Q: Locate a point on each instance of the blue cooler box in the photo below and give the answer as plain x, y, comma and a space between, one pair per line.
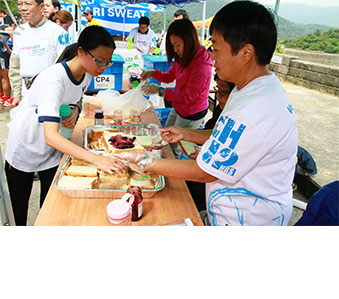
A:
111, 77
157, 62
162, 114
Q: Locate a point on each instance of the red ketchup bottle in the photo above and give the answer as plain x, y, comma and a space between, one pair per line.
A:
137, 204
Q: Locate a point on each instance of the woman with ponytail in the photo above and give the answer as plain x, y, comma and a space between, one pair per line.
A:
34, 142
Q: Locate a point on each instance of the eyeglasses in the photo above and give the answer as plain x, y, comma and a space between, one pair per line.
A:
100, 62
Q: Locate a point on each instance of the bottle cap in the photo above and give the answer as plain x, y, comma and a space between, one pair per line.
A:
65, 111
135, 84
99, 113
118, 209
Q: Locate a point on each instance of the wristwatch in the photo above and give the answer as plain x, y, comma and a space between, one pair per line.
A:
162, 91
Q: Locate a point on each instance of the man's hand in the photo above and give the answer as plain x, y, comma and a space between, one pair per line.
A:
172, 134
150, 88
196, 153
141, 160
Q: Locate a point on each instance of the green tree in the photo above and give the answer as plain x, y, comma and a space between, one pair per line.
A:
12, 5
327, 42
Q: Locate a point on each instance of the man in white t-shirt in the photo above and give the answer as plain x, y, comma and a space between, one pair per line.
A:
38, 46
143, 37
248, 159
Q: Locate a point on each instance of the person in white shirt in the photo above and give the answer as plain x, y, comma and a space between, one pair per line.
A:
248, 159
34, 142
38, 46
143, 37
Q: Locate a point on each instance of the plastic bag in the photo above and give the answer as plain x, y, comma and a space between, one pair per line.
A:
130, 100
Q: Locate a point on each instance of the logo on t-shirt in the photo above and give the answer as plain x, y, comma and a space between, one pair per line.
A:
64, 39
221, 153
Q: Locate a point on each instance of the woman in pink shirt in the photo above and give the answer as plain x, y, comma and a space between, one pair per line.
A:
192, 70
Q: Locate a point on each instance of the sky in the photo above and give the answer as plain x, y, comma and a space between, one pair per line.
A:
311, 2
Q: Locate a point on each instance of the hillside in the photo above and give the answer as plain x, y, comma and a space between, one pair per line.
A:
309, 14
286, 28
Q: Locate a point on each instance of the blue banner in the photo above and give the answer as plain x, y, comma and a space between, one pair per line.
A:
115, 18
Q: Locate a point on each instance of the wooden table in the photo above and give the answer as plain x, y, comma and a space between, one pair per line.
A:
172, 204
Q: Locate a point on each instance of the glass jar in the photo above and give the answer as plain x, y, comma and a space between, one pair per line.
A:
137, 205
117, 116
119, 211
99, 117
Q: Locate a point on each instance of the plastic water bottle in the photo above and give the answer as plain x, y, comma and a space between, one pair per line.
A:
130, 43
65, 112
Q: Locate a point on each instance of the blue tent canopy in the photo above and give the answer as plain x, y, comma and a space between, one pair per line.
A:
166, 3
160, 2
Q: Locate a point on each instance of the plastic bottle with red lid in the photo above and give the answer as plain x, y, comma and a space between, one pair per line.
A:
137, 205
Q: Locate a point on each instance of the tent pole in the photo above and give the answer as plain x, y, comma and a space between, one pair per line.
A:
79, 18
165, 18
123, 26
203, 23
277, 4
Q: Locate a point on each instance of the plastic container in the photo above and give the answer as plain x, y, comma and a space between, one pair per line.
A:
157, 146
156, 62
119, 212
111, 77
137, 205
99, 117
65, 112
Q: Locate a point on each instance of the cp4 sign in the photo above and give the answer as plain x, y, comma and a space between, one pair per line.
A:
104, 81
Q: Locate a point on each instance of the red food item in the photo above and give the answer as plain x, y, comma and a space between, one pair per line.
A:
122, 142
137, 204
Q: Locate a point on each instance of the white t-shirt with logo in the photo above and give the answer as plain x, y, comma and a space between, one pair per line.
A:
143, 41
39, 47
252, 152
26, 147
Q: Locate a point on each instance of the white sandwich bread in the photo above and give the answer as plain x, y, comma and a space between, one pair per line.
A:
72, 182
82, 170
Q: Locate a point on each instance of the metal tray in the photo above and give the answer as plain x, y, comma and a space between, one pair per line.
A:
133, 129
102, 193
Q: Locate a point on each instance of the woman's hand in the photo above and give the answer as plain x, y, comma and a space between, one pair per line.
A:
150, 88
146, 74
109, 164
172, 134
69, 122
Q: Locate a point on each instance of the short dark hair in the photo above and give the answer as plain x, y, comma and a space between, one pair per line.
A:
94, 36
144, 20
39, 1
56, 3
184, 29
181, 12
242, 22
